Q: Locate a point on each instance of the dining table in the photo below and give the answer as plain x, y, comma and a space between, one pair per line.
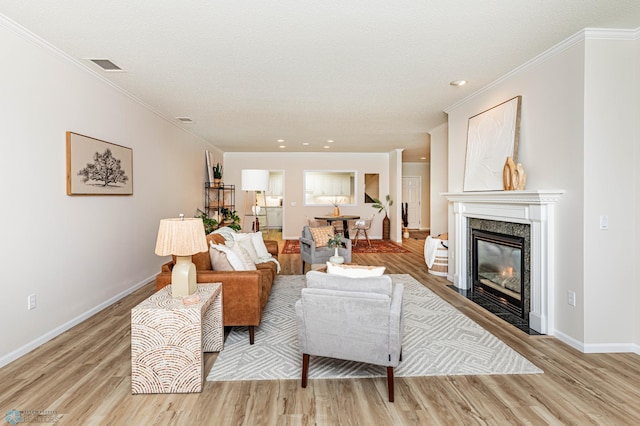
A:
345, 218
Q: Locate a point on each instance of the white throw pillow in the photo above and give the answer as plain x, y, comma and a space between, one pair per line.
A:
245, 241
258, 244
354, 271
236, 262
253, 244
235, 247
219, 261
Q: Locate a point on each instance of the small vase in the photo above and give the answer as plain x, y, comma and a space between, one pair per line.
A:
336, 258
336, 211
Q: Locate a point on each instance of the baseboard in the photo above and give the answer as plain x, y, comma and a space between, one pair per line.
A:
575, 344
606, 348
597, 348
25, 349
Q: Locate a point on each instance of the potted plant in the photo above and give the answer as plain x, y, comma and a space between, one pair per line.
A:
231, 219
386, 222
210, 224
335, 242
217, 174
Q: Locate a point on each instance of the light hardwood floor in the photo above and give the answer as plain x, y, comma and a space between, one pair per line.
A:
84, 375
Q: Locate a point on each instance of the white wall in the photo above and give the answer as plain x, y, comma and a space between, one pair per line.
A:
77, 254
439, 179
561, 91
421, 170
292, 165
610, 108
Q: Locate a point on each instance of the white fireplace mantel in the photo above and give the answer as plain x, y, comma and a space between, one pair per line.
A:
535, 208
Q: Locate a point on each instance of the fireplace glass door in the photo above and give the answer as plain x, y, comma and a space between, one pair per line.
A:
498, 261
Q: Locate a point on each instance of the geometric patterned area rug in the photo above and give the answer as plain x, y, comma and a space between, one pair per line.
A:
377, 246
438, 340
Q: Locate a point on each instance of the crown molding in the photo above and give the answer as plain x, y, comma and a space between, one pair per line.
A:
34, 39
580, 36
612, 34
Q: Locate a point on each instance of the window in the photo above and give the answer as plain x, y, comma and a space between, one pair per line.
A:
329, 188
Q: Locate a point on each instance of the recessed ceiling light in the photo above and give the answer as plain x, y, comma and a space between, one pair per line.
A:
305, 143
423, 158
283, 146
280, 140
106, 65
187, 120
458, 82
326, 147
330, 141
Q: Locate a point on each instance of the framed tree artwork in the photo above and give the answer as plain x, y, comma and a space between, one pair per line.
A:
96, 167
492, 136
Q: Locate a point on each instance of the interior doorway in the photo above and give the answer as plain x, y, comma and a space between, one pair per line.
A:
411, 194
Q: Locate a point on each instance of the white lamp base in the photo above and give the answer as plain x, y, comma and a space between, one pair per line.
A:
183, 277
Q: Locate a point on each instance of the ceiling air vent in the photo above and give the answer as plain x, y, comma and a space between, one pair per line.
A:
106, 64
185, 119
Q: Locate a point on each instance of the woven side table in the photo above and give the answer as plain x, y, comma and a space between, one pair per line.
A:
169, 337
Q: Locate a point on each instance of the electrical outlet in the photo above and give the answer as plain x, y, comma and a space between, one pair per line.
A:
31, 302
571, 298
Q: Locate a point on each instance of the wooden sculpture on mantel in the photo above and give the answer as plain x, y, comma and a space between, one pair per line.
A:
513, 176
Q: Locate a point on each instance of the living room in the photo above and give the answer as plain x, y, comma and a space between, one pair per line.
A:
579, 134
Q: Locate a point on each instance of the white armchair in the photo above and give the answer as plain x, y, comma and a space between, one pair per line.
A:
356, 319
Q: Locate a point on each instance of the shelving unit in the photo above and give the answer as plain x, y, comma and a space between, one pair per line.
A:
217, 198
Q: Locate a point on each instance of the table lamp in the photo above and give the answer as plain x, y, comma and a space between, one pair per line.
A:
183, 238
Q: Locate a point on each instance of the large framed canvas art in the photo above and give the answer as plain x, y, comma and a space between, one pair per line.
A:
96, 167
492, 136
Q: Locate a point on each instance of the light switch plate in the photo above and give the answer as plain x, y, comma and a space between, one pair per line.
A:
604, 221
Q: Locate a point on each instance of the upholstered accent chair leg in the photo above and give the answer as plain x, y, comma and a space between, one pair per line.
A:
252, 334
303, 267
389, 383
305, 369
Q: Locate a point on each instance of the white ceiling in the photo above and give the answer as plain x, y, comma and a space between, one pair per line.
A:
371, 75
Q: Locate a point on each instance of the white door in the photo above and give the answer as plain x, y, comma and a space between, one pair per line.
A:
411, 190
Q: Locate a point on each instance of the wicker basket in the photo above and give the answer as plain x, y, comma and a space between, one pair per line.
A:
441, 264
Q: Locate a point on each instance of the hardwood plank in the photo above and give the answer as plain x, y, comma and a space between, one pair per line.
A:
85, 375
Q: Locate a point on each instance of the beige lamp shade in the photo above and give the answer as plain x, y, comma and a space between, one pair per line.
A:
255, 180
181, 237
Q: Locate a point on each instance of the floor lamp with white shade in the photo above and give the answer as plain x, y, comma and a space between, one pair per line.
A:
254, 180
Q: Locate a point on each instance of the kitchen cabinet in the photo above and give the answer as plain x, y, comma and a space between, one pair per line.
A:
275, 184
274, 215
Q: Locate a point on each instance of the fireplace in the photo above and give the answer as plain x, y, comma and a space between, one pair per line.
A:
533, 209
497, 272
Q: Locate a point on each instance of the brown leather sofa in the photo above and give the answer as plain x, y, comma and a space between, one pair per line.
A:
244, 293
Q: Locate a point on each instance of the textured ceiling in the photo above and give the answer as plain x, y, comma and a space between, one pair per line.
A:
370, 75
